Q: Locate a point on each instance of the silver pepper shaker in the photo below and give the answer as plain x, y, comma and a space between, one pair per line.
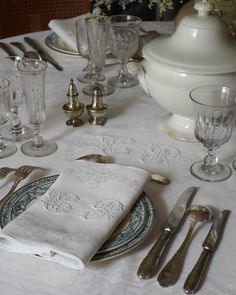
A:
97, 109
73, 108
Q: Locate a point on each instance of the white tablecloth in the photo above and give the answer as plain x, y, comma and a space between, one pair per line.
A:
132, 136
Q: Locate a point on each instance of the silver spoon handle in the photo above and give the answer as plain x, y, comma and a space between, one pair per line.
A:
149, 264
194, 278
171, 271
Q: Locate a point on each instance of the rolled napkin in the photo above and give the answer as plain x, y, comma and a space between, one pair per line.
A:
65, 29
78, 213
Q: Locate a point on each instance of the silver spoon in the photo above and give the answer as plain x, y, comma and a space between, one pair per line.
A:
97, 158
171, 271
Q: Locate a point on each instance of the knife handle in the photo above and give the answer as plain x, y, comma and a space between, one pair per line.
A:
149, 264
194, 278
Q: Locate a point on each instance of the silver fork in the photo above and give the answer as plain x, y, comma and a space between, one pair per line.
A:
21, 173
4, 171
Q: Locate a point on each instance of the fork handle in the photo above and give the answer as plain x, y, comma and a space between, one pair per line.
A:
8, 195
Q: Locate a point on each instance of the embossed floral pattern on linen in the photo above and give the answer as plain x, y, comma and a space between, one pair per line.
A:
59, 202
160, 154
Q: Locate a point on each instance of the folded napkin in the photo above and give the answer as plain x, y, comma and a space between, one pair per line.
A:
65, 29
71, 221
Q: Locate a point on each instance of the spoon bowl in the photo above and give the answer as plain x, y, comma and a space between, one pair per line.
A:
171, 271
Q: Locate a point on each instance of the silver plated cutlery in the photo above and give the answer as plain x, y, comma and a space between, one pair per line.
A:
43, 53
8, 50
21, 173
171, 271
209, 246
149, 264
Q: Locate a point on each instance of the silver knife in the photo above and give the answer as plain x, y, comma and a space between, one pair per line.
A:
9, 51
44, 55
149, 264
209, 245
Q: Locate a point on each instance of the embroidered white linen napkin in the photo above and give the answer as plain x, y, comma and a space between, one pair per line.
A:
71, 221
65, 29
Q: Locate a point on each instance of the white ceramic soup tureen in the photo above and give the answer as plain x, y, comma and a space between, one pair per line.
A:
199, 52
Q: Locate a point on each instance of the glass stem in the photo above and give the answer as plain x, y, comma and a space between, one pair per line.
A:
16, 127
123, 74
211, 159
37, 139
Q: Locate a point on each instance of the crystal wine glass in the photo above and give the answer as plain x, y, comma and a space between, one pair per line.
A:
97, 34
32, 74
124, 39
6, 148
15, 131
83, 49
214, 110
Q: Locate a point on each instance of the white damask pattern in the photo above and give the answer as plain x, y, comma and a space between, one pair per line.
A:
59, 202
160, 154
107, 209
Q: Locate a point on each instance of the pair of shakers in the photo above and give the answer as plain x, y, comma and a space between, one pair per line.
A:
74, 109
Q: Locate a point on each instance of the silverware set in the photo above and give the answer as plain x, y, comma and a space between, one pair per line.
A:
171, 271
20, 174
38, 51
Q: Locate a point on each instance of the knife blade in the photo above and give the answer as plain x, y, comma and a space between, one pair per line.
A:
149, 264
9, 51
209, 245
44, 55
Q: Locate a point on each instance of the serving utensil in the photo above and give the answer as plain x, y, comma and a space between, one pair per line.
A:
97, 158
168, 228
209, 245
21, 173
171, 271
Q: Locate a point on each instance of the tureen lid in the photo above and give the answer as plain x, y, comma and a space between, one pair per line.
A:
201, 44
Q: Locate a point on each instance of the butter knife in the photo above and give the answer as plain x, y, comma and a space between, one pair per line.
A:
149, 264
9, 51
43, 54
209, 245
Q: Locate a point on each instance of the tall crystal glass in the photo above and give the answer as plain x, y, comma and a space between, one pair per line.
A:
15, 131
32, 74
124, 39
6, 148
97, 33
214, 110
83, 49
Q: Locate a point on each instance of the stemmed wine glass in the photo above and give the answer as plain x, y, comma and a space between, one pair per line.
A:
214, 110
6, 148
82, 45
97, 34
124, 39
32, 74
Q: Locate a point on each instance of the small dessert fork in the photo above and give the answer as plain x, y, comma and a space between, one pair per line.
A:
21, 173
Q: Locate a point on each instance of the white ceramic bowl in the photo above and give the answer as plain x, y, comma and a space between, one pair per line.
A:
200, 52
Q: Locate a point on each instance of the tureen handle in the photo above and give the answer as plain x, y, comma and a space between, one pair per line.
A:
203, 7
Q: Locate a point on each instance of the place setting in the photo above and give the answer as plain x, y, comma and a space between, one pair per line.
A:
120, 170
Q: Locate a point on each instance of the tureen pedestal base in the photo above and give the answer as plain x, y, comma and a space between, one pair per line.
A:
178, 127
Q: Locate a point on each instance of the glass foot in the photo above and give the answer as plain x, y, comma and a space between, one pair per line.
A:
48, 148
115, 82
216, 173
7, 134
88, 78
7, 149
106, 89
